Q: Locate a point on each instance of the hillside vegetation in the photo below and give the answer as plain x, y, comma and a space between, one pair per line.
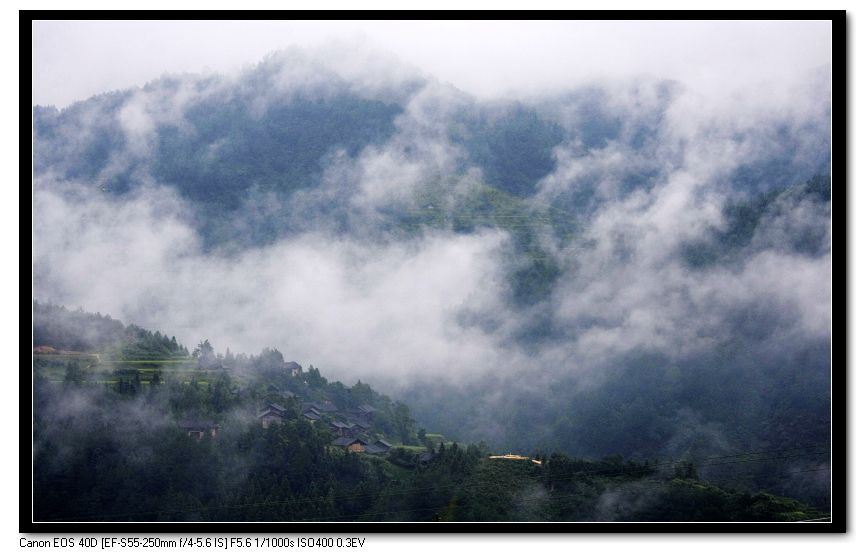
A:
119, 451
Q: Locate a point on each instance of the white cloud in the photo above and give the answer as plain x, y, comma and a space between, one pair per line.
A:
73, 60
369, 306
355, 308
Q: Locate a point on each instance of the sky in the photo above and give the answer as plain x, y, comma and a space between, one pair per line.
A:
73, 60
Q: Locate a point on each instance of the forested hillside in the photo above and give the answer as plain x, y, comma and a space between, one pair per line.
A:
131, 451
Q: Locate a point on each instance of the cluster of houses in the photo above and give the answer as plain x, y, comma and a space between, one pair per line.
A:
350, 427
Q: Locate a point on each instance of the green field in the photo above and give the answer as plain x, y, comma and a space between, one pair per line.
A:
411, 448
99, 369
435, 438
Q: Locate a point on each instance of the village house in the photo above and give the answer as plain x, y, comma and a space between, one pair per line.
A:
273, 414
344, 429
198, 429
378, 447
362, 445
293, 368
314, 411
354, 445
310, 413
325, 407
363, 412
426, 457
362, 426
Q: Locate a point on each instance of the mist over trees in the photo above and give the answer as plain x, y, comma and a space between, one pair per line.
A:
132, 449
81, 331
617, 269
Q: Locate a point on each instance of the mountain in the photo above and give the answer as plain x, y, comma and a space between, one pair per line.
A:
224, 142
625, 268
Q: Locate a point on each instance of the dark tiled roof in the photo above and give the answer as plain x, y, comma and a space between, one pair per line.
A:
310, 407
274, 408
360, 424
191, 424
383, 443
320, 406
292, 366
312, 415
375, 448
345, 442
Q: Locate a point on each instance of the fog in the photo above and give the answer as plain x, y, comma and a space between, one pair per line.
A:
489, 59
354, 308
651, 158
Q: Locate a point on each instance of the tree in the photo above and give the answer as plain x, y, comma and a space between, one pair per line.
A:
686, 470
205, 354
229, 358
422, 437
74, 374
220, 393
404, 422
270, 359
314, 379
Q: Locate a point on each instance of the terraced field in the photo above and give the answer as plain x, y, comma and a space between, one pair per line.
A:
101, 369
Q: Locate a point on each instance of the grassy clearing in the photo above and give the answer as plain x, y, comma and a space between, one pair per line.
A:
411, 448
393, 471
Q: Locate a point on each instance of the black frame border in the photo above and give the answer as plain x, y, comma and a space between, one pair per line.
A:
840, 391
